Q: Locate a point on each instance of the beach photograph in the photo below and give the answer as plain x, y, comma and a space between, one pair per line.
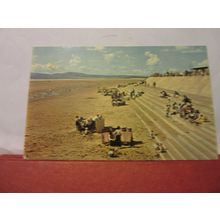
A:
120, 103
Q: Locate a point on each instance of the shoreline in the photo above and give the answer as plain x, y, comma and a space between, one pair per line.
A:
93, 79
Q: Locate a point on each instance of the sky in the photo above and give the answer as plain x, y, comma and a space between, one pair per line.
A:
135, 60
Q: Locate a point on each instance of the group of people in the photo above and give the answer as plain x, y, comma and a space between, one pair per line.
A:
176, 94
186, 110
159, 146
119, 97
86, 126
164, 94
134, 94
141, 82
117, 136
118, 94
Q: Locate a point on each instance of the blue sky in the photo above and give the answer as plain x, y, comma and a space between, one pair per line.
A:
135, 60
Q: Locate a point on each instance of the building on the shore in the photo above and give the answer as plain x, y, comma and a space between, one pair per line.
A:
200, 71
195, 71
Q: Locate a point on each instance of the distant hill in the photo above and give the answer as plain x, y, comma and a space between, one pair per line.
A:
76, 75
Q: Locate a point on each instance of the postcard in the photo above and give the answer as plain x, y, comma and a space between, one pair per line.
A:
120, 103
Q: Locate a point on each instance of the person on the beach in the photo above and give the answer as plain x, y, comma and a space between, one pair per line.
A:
117, 134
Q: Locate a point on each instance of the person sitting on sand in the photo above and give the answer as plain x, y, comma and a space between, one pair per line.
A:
164, 94
152, 134
113, 153
182, 110
111, 138
157, 146
186, 99
163, 149
176, 94
175, 108
117, 134
187, 110
80, 124
160, 148
168, 110
132, 94
77, 123
194, 115
86, 131
191, 115
95, 118
201, 118
91, 124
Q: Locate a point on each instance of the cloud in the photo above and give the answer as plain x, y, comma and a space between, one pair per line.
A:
152, 59
109, 57
37, 67
49, 67
75, 60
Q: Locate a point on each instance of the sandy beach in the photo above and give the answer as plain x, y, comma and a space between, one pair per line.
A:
53, 105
